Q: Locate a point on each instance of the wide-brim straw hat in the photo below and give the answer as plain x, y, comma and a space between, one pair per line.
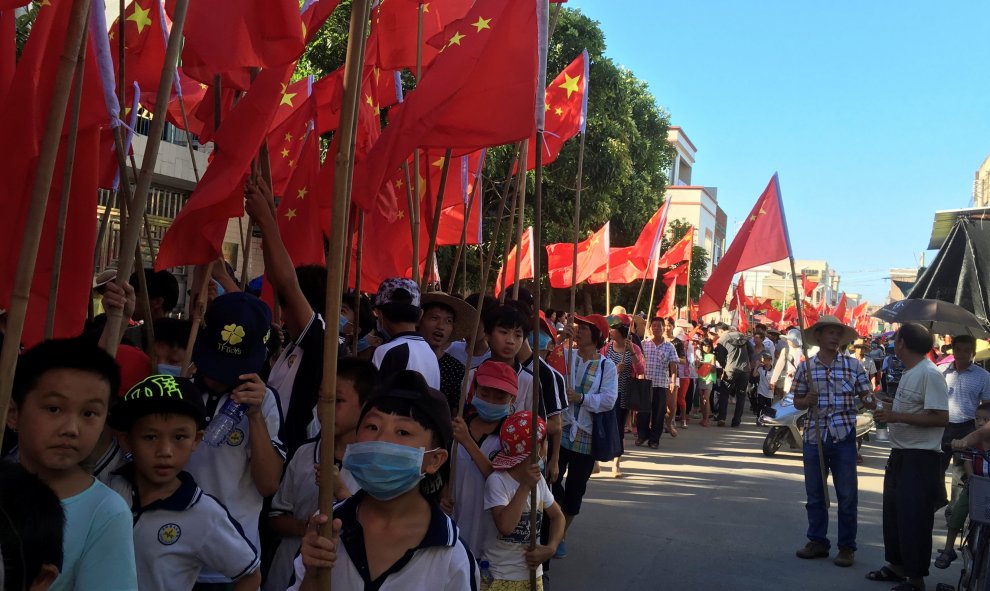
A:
849, 334
464, 312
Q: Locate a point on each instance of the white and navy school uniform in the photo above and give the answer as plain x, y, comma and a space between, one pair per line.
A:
441, 561
225, 472
408, 350
553, 389
177, 537
296, 376
299, 497
112, 459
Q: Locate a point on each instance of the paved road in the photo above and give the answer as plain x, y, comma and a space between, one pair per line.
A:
709, 511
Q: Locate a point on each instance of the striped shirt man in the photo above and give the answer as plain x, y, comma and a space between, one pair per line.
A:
967, 388
658, 359
839, 385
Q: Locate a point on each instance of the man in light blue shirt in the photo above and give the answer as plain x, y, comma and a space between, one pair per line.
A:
969, 384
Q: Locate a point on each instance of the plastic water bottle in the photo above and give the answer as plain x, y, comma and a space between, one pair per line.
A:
486, 574
882, 434
222, 424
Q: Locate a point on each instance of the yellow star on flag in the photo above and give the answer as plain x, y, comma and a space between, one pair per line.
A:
287, 96
301, 193
292, 163
376, 72
456, 39
44, 3
290, 214
287, 137
482, 24
426, 7
398, 185
369, 100
140, 17
558, 111
285, 152
438, 162
594, 240
401, 214
203, 86
571, 84
761, 212
546, 107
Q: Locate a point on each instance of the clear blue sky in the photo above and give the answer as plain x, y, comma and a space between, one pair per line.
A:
875, 113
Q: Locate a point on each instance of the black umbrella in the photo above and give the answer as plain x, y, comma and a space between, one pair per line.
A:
960, 272
939, 316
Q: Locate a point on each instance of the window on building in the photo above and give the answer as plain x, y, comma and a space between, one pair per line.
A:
170, 133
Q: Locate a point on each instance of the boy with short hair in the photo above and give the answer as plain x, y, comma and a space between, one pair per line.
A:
397, 306
161, 421
229, 352
31, 526
764, 390
171, 339
507, 496
61, 393
402, 540
506, 329
298, 495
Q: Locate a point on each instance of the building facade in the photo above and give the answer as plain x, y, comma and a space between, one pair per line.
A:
981, 185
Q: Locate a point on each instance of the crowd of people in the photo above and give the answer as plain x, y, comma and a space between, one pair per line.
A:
210, 481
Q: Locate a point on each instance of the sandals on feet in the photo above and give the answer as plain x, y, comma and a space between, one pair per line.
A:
945, 558
885, 574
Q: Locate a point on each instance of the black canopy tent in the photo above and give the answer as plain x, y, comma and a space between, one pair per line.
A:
960, 272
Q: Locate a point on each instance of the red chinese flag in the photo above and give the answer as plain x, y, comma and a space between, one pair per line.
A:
840, 308
457, 197
774, 315
8, 49
292, 119
566, 110
739, 296
622, 267
808, 285
145, 37
648, 243
508, 270
761, 239
197, 232
668, 306
480, 91
592, 254
396, 24
298, 211
859, 311
679, 252
742, 319
387, 247
314, 14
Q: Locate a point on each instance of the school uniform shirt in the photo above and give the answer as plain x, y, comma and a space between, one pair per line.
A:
111, 460
475, 523
505, 553
441, 561
225, 472
299, 497
97, 526
176, 537
451, 376
296, 376
763, 388
553, 389
458, 350
921, 388
408, 350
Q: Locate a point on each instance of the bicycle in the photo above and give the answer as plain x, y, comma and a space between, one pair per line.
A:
975, 550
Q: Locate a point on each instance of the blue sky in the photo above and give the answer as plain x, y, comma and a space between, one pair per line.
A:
875, 114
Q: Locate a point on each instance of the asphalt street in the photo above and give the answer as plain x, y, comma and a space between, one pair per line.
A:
709, 511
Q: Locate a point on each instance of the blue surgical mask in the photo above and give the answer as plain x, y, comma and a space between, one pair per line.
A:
169, 370
341, 324
544, 342
386, 470
488, 411
220, 289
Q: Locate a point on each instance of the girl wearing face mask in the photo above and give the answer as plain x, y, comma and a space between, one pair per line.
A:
477, 435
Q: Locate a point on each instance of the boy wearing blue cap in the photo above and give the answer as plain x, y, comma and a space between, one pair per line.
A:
178, 530
246, 465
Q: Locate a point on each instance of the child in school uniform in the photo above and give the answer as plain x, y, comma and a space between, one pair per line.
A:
178, 529
764, 399
477, 434
60, 397
507, 497
392, 534
298, 495
246, 467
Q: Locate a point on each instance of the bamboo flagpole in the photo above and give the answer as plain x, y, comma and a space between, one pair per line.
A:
130, 238
579, 183
521, 222
414, 212
654, 257
435, 227
799, 305
357, 282
201, 289
468, 208
21, 292
343, 162
63, 200
509, 232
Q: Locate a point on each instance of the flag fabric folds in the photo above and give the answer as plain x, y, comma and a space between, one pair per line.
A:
507, 274
396, 23
592, 254
566, 111
761, 239
623, 267
807, 285
681, 251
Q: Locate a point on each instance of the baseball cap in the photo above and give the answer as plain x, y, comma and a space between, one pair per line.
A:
494, 374
158, 394
408, 390
397, 290
234, 338
517, 439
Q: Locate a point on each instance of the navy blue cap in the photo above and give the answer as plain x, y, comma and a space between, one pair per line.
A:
233, 339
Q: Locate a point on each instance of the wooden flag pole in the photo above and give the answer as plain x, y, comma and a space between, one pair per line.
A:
653, 291
431, 249
468, 208
509, 234
130, 238
534, 454
343, 162
63, 200
579, 183
414, 212
506, 188
38, 205
521, 223
472, 340
198, 311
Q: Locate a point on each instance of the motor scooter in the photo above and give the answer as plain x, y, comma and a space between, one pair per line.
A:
787, 424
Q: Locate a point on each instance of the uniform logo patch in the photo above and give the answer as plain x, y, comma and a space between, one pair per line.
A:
169, 534
235, 438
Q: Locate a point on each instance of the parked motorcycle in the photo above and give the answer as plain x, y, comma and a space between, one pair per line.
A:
787, 424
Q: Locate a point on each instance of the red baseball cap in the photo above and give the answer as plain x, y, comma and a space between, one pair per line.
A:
517, 439
493, 374
596, 320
